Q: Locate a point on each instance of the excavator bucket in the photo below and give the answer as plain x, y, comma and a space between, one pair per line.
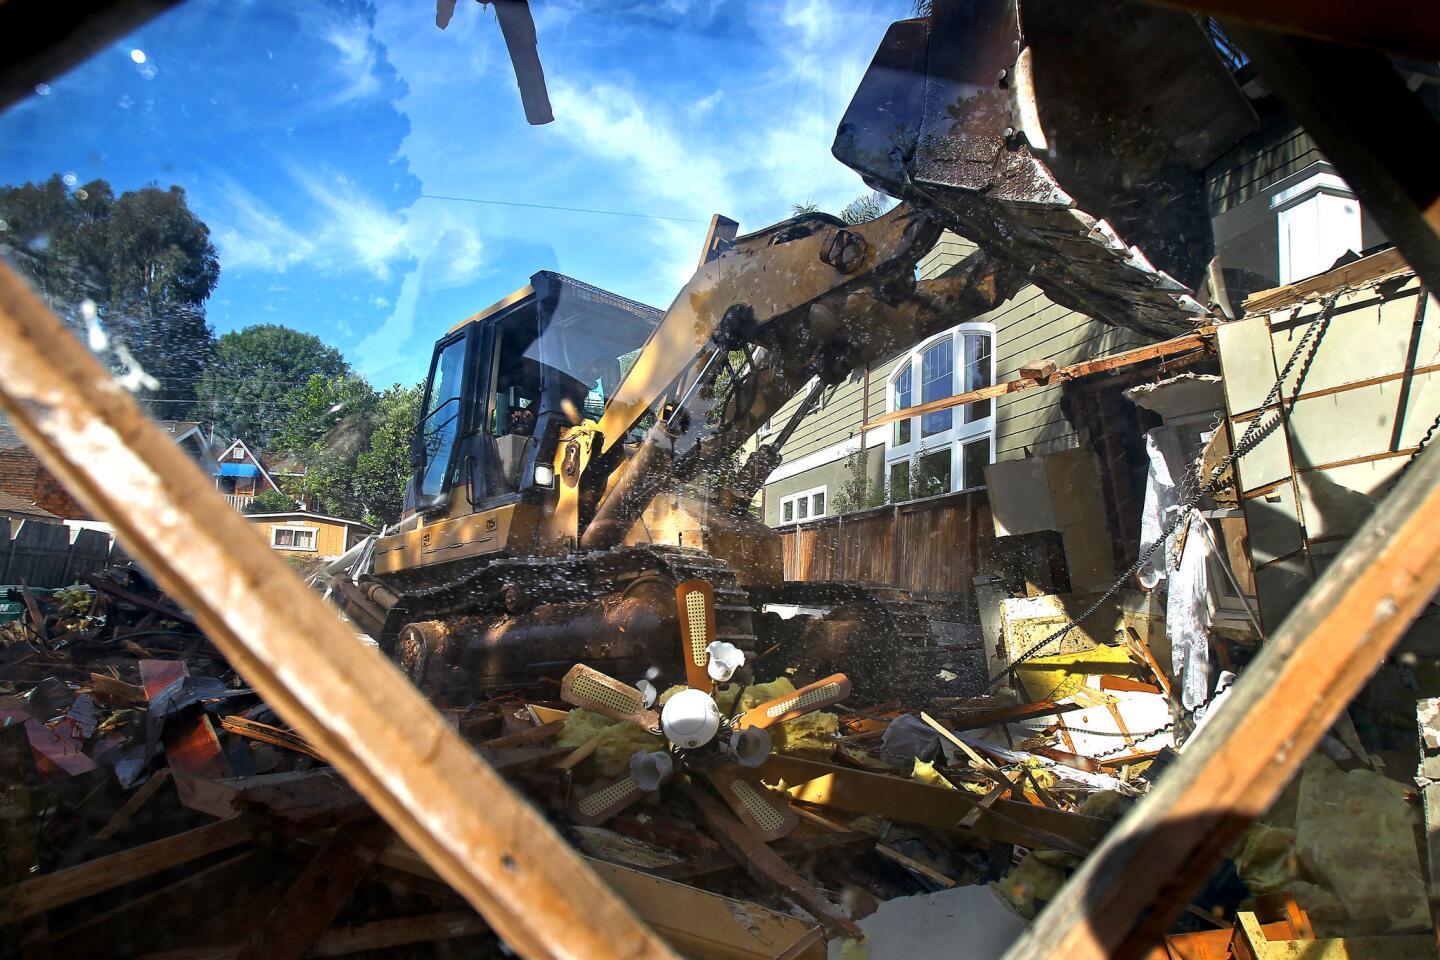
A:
1070, 139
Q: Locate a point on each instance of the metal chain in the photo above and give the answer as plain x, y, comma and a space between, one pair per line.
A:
1258, 430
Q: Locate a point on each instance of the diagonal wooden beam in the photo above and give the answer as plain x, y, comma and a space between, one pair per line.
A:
1201, 339
1138, 880
344, 698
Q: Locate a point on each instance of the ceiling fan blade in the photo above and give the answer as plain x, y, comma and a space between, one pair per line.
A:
593, 690
766, 812
695, 600
814, 696
604, 800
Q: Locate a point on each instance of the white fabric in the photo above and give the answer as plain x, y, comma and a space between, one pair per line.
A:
1161, 501
1187, 615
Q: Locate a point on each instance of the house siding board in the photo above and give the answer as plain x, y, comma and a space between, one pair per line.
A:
329, 537
831, 476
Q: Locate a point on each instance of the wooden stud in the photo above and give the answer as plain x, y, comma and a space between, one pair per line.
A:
50, 890
765, 864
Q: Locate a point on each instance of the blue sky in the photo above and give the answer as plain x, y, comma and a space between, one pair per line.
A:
307, 135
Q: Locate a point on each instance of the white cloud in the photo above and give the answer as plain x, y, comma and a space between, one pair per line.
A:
355, 59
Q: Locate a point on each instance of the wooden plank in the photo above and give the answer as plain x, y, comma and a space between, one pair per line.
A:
48, 891
1202, 339
525, 737
700, 924
315, 898
765, 864
857, 791
1234, 768
344, 698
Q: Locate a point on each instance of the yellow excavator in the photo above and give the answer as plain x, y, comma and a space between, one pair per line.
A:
579, 455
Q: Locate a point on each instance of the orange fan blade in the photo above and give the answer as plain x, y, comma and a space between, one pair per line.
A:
815, 696
695, 600
603, 800
766, 812
593, 690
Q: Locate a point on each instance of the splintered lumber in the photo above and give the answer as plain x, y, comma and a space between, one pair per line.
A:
765, 864
980, 763
857, 791
1201, 339
884, 849
696, 922
51, 890
317, 895
342, 696
265, 733
113, 688
1307, 672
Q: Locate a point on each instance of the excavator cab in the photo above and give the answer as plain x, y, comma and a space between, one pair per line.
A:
505, 384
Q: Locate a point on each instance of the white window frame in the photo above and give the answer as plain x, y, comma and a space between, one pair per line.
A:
297, 528
959, 433
808, 496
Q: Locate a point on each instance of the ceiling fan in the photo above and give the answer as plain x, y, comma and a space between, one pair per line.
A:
700, 740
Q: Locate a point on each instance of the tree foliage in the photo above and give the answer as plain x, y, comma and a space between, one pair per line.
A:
354, 444
260, 377
270, 501
140, 264
866, 207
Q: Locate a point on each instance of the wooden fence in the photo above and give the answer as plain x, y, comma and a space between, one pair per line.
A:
45, 555
928, 546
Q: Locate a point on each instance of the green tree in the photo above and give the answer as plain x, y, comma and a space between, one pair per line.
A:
270, 501
259, 377
143, 261
383, 468
867, 207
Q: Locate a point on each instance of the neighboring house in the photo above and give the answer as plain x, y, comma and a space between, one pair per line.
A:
18, 510
240, 474
305, 534
24, 477
190, 436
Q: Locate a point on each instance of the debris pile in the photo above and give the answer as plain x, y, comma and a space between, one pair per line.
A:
155, 806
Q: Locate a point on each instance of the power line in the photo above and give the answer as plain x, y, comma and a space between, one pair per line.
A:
545, 206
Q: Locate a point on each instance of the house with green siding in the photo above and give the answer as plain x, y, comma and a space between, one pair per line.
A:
1280, 212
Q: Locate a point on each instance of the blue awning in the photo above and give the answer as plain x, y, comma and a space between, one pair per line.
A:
238, 470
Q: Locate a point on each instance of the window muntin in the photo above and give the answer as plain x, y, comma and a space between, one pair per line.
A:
979, 373
903, 397
293, 538
937, 381
804, 504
